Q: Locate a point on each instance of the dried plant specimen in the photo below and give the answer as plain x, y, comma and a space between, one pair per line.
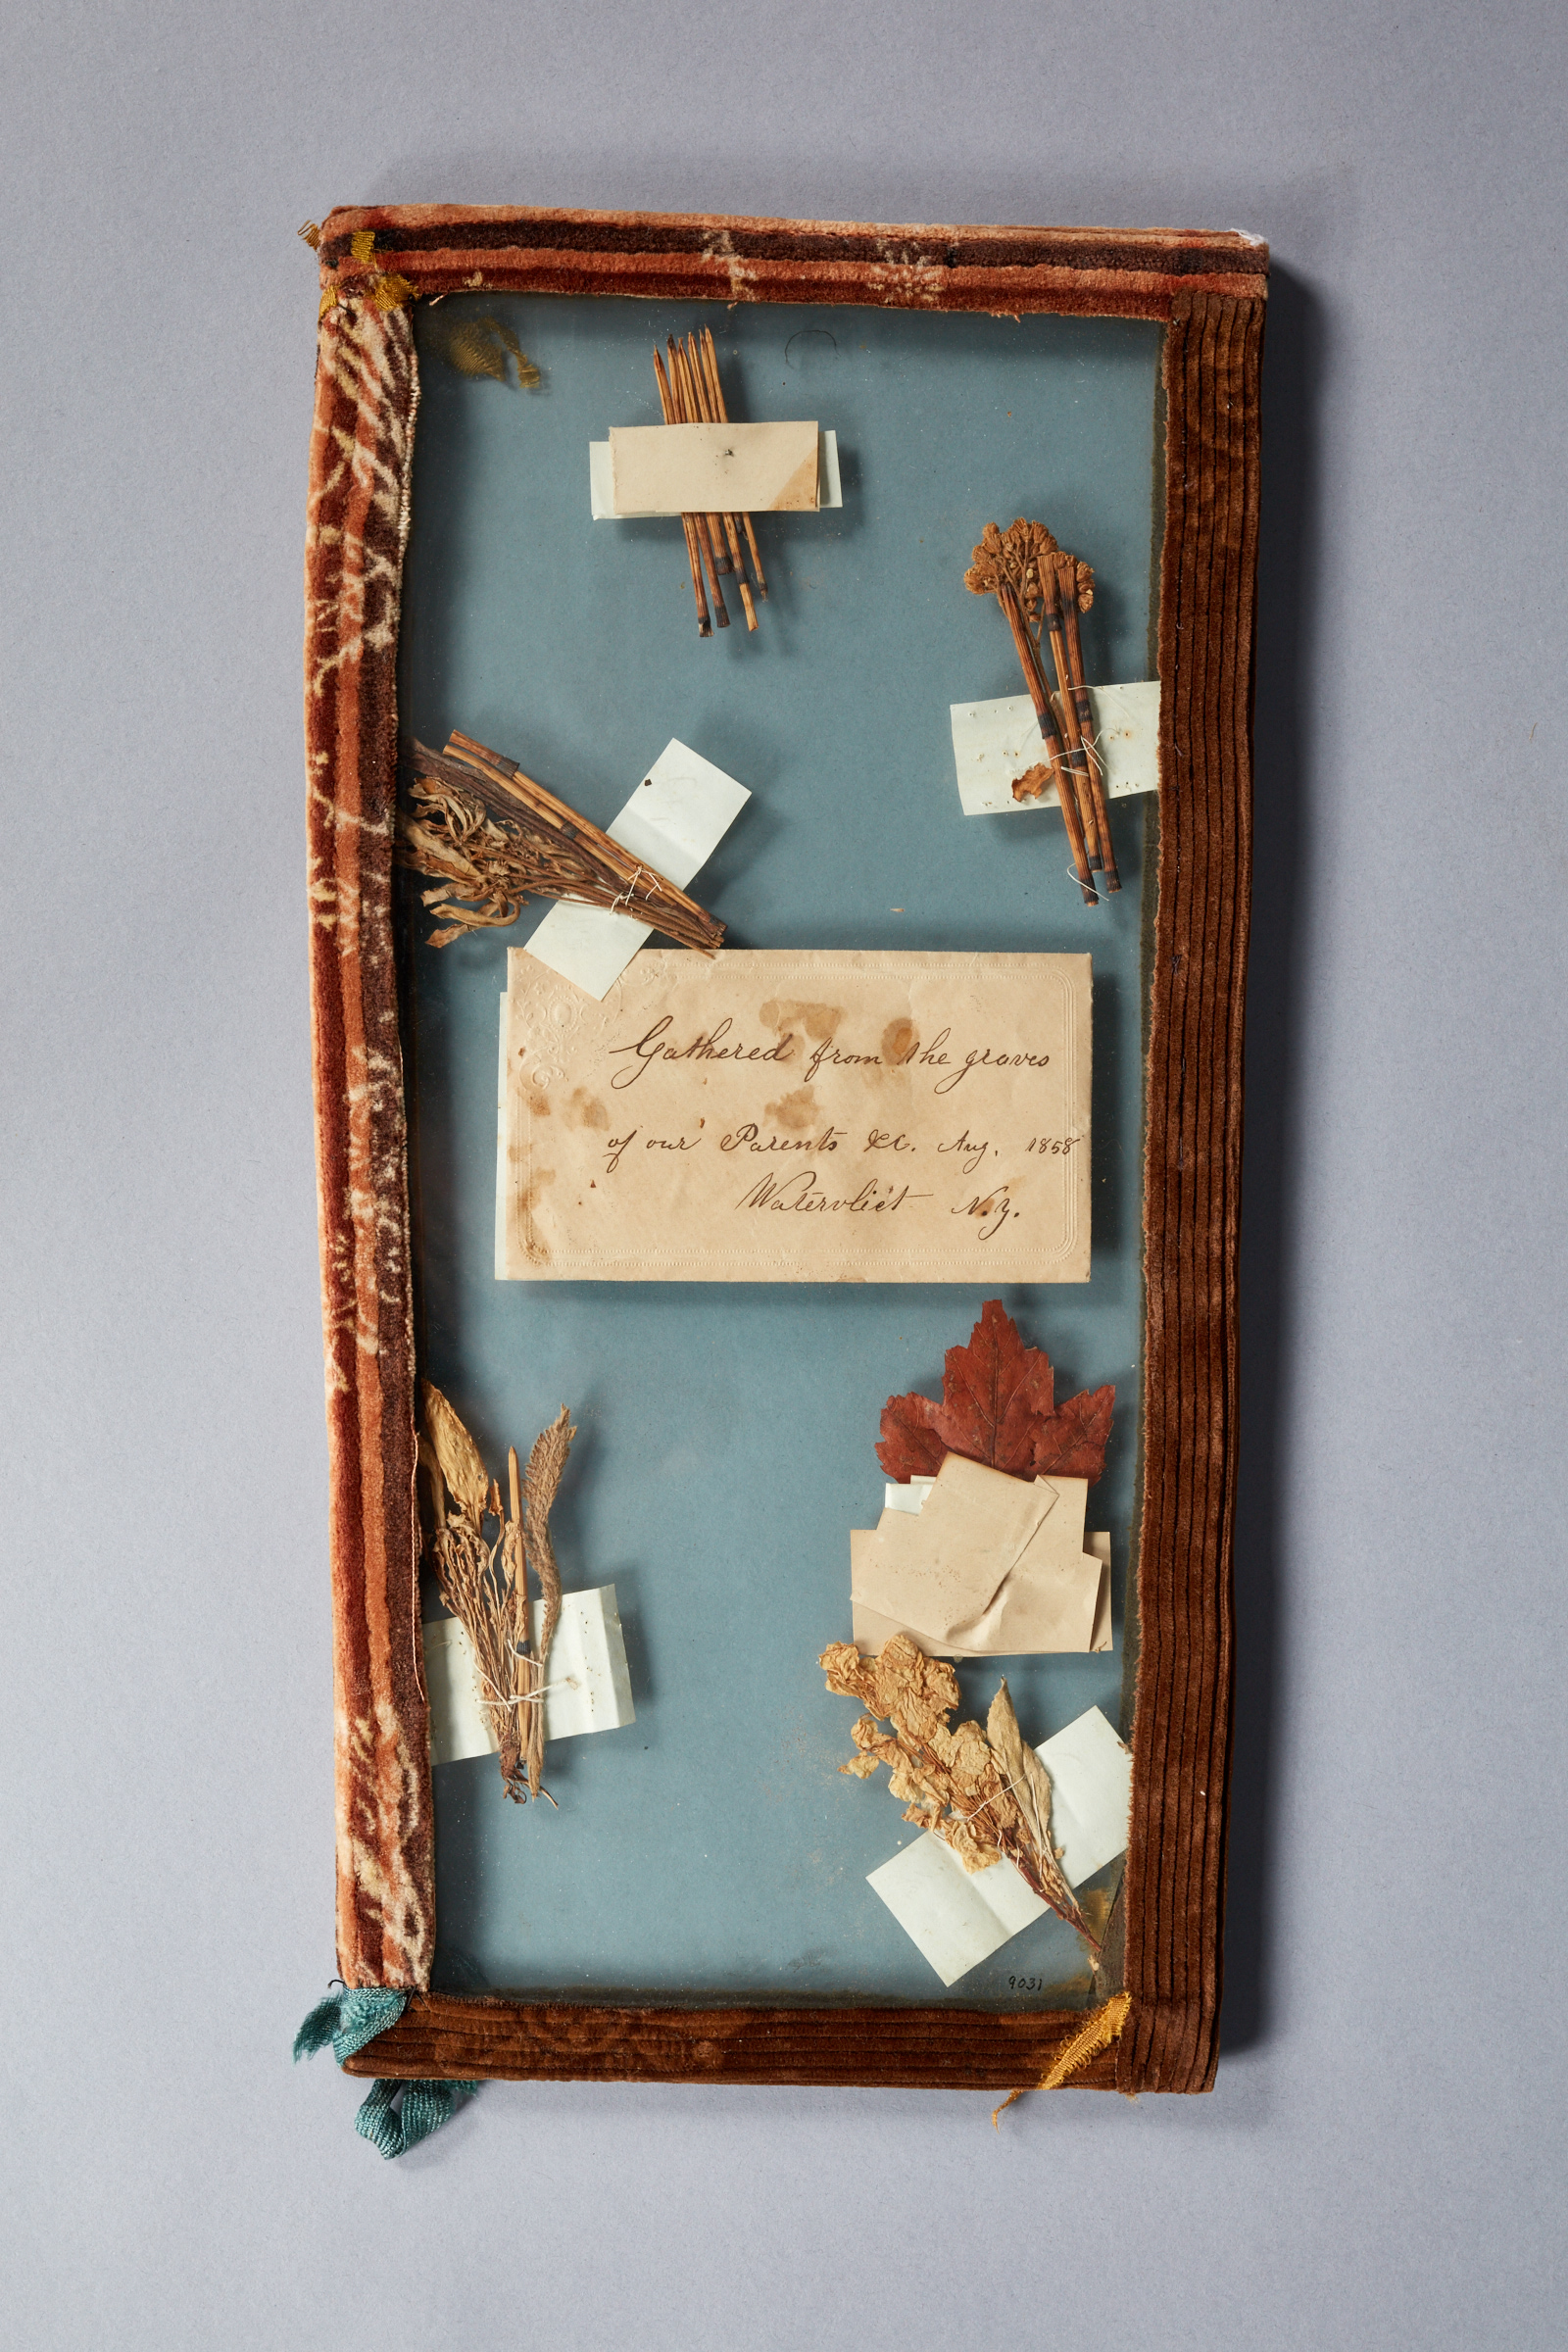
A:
1015, 562
969, 1786
490, 838
483, 1574
479, 347
998, 1406
1041, 590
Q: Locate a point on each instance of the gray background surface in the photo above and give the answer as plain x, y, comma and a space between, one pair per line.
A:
1380, 2162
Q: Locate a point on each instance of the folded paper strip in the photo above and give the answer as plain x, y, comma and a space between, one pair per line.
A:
982, 1565
602, 484
995, 743
958, 1917
675, 820
713, 469
589, 1689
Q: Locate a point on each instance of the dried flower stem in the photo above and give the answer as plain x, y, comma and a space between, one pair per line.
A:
673, 398
1077, 582
1059, 612
977, 1792
484, 1580
1033, 580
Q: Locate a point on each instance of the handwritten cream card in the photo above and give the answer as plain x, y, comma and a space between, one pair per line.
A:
785, 1115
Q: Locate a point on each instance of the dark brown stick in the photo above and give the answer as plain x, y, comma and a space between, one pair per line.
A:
705, 537
705, 628
711, 356
1039, 695
702, 392
1086, 719
1050, 594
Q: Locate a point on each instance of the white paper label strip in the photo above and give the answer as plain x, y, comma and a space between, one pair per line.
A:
994, 742
602, 483
589, 1689
959, 1918
675, 820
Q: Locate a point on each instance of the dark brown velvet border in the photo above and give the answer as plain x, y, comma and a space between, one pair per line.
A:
1209, 290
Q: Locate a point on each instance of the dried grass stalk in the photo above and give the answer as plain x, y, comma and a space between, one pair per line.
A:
484, 1576
490, 838
978, 1797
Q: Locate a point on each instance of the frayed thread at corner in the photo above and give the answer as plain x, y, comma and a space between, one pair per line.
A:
1100, 2028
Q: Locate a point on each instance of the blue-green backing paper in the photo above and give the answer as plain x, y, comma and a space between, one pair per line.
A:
727, 1431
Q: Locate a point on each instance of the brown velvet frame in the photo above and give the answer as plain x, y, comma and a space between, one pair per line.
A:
1209, 291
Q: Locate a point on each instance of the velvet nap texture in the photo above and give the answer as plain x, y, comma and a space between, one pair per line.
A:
1208, 289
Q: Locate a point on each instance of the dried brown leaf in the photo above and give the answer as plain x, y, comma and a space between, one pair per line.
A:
546, 1463
998, 1407
1030, 1784
1072, 1443
458, 1455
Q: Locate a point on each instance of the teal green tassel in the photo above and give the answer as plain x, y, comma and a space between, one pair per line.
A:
348, 2019
394, 2116
425, 2107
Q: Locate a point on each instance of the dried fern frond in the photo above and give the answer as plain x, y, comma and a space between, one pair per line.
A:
489, 838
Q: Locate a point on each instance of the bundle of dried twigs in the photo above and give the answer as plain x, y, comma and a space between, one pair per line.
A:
690, 393
484, 1580
489, 837
1042, 590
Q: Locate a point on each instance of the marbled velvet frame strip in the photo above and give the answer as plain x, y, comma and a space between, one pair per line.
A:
1208, 290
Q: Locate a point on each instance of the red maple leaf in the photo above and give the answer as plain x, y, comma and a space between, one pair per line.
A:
998, 1407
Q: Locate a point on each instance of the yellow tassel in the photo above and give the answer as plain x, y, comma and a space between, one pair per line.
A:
391, 292
312, 233
328, 303
363, 244
1098, 2032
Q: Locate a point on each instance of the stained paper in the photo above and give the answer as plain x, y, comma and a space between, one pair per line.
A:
602, 480
982, 1565
713, 469
795, 1116
994, 742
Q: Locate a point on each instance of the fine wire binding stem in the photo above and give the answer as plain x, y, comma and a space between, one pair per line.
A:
629, 892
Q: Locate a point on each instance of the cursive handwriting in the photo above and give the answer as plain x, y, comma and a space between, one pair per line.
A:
982, 1057
705, 1046
994, 1212
751, 1139
971, 1153
803, 1192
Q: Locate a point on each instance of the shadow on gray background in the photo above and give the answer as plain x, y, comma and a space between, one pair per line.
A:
1289, 564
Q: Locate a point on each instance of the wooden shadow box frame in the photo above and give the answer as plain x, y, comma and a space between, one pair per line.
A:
1207, 291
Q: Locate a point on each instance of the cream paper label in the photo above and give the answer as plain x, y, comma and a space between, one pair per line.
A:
783, 1116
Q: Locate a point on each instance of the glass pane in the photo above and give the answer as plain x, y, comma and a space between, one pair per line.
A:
726, 1438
